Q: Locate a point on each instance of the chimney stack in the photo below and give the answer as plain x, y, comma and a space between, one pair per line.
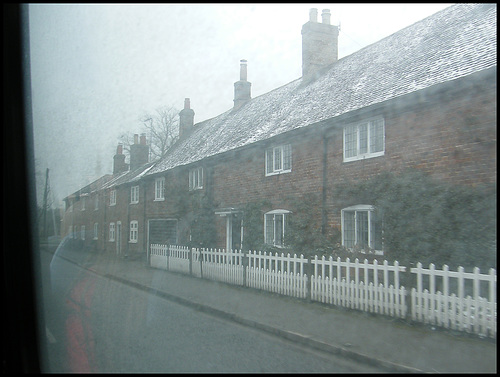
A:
186, 119
325, 16
139, 153
319, 44
242, 87
119, 164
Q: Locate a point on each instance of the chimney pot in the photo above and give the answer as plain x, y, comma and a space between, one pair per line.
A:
186, 119
243, 70
313, 15
143, 139
242, 87
325, 16
119, 149
136, 138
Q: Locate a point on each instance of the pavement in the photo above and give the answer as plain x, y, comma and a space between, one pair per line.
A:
391, 344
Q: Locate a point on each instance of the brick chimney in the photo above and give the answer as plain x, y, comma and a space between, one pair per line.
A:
186, 119
119, 164
242, 87
319, 44
139, 152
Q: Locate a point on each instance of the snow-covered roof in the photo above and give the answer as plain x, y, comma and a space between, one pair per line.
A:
455, 42
96, 185
128, 176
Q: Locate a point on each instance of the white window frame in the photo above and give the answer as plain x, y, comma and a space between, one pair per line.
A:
160, 189
70, 231
362, 150
134, 195
357, 210
112, 197
134, 231
75, 233
274, 216
96, 231
278, 160
96, 202
82, 232
196, 179
83, 203
111, 232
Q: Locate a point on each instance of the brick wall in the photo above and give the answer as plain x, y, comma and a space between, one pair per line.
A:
449, 133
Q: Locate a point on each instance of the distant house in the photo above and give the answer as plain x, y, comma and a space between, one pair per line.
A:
422, 98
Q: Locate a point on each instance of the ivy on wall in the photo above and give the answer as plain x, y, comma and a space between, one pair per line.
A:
429, 221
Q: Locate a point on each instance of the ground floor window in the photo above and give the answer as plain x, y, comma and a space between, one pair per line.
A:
111, 232
361, 230
134, 226
96, 231
275, 227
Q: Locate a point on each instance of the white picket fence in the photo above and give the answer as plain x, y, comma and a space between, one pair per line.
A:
332, 283
158, 256
455, 310
283, 274
170, 257
219, 265
365, 286
178, 259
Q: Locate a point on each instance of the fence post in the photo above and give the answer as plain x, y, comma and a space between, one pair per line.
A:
190, 258
244, 263
167, 254
308, 271
200, 258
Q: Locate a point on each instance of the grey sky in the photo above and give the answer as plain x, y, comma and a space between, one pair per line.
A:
97, 68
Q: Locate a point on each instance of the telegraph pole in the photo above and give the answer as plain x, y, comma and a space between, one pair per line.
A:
45, 195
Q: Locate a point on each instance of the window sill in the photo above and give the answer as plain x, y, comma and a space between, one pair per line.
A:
159, 200
364, 157
278, 172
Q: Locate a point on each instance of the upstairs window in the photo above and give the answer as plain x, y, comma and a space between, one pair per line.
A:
196, 179
275, 227
112, 198
279, 160
361, 230
96, 202
160, 188
364, 140
83, 203
134, 194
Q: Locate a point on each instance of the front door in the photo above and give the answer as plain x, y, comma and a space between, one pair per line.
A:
233, 231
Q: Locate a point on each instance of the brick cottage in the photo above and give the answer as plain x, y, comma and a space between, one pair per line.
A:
423, 98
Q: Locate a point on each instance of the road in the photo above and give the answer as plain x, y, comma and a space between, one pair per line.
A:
104, 326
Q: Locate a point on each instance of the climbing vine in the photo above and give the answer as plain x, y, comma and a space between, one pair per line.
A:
428, 221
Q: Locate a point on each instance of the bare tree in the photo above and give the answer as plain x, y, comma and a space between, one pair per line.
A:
161, 129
